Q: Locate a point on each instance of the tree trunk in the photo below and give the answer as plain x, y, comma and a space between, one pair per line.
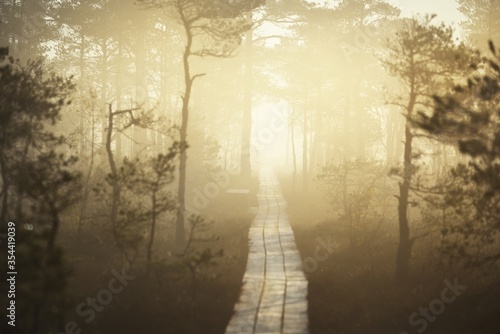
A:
139, 133
391, 137
294, 155
347, 151
180, 237
304, 153
104, 92
316, 138
245, 163
360, 126
50, 250
86, 185
152, 233
5, 190
115, 200
405, 243
347, 209
119, 89
82, 81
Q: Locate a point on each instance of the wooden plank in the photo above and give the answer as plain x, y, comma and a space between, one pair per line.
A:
274, 291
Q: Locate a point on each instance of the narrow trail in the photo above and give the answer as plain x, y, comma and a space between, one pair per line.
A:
274, 293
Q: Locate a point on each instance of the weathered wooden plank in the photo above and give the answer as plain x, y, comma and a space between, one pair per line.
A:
274, 292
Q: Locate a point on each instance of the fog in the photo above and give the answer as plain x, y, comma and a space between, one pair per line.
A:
250, 166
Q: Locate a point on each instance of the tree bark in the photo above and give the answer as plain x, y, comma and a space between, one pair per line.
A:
315, 138
404, 248
152, 232
116, 195
304, 153
104, 83
180, 234
405, 243
139, 133
245, 163
294, 155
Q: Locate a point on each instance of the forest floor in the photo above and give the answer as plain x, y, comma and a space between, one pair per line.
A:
351, 290
147, 305
162, 303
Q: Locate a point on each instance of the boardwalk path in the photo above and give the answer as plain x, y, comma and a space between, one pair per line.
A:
274, 294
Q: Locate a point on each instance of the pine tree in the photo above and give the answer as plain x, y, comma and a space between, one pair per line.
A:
425, 59
468, 116
38, 184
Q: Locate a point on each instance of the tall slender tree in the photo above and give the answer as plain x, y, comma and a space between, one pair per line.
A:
211, 28
38, 182
425, 59
468, 116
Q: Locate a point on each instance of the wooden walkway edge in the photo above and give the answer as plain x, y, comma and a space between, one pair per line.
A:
274, 293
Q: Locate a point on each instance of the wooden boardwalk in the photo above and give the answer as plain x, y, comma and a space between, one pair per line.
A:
274, 293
